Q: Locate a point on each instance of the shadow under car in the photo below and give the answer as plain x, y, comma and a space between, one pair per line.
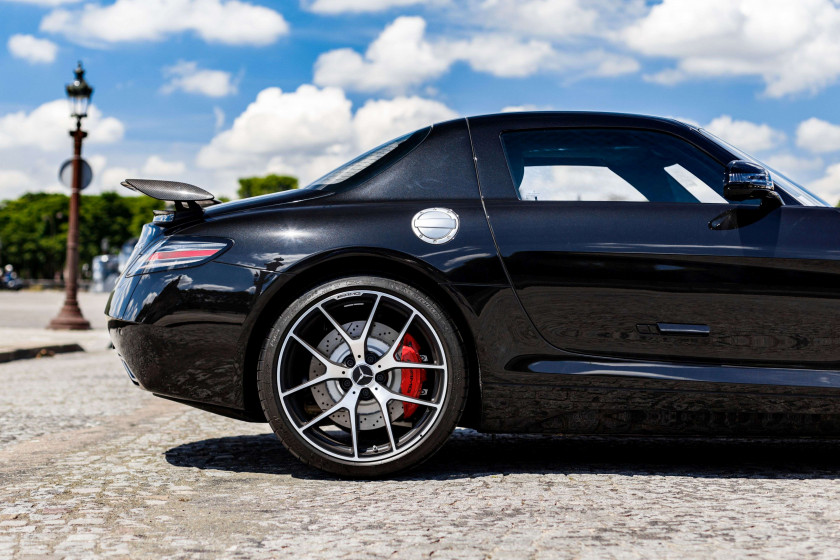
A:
470, 454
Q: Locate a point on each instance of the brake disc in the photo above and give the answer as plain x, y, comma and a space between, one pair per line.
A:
333, 346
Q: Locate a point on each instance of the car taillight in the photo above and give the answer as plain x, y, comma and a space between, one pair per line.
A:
174, 253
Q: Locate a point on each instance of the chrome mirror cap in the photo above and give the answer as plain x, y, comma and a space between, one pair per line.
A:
746, 180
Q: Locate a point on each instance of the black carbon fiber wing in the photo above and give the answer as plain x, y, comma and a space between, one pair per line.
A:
188, 200
168, 190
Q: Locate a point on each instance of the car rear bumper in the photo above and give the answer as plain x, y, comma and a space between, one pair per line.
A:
183, 334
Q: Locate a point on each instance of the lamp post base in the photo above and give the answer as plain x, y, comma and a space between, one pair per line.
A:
69, 319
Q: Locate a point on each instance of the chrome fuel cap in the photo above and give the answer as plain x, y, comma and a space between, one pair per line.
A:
435, 225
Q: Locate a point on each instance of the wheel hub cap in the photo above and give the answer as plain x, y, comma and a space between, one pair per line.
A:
363, 375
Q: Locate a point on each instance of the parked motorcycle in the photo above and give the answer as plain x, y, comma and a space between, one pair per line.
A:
10, 280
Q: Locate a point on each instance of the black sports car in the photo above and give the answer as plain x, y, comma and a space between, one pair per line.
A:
529, 272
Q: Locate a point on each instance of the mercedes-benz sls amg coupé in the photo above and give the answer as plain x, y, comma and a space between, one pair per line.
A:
534, 272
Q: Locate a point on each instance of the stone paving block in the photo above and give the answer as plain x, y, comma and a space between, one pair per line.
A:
91, 467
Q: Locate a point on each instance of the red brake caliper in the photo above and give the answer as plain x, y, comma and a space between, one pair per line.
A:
412, 379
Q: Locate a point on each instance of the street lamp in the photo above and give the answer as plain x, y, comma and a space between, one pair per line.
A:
70, 317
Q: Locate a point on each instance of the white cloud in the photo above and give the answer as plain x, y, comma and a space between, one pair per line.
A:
550, 18
188, 77
595, 62
111, 178
791, 46
829, 186
154, 168
219, 116
159, 167
28, 170
398, 59
33, 144
521, 108
308, 120
45, 2
607, 64
818, 136
746, 135
376, 122
402, 57
667, 77
103, 130
555, 19
381, 120
561, 20
503, 55
357, 6
97, 163
32, 49
13, 182
46, 128
231, 22
310, 131
795, 167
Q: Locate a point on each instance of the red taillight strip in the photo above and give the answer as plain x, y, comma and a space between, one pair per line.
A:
187, 254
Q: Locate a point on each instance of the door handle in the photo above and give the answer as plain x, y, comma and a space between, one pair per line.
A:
683, 329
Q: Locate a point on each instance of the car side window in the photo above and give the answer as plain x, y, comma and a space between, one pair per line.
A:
610, 165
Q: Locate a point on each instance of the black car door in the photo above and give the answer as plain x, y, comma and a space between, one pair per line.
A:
618, 243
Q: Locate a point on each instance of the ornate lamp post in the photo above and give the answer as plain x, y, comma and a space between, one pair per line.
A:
70, 317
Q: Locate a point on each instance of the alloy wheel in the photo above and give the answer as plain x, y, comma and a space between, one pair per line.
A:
362, 376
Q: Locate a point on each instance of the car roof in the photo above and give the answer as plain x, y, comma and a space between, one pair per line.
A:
578, 118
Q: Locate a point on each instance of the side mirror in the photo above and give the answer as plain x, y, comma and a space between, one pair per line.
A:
745, 180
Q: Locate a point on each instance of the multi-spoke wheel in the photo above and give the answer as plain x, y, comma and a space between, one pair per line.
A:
362, 376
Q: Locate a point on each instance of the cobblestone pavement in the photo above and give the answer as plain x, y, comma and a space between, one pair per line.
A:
92, 467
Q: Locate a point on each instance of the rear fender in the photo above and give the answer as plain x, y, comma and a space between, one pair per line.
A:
285, 288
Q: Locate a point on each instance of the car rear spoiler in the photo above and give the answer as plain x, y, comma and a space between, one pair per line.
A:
186, 198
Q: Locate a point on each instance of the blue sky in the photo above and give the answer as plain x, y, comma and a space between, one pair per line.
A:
207, 91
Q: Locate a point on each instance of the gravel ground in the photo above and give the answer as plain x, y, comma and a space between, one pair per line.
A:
90, 466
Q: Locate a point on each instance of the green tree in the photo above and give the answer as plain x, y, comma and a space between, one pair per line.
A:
255, 186
33, 228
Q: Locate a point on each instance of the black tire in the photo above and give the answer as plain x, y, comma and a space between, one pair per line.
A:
321, 444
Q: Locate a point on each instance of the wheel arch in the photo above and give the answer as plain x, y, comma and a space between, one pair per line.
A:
339, 264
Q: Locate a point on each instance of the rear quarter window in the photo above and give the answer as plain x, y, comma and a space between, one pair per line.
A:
365, 166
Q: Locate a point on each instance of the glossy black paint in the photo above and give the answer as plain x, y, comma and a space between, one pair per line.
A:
559, 302
770, 291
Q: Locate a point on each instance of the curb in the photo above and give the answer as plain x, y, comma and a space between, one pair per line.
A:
38, 352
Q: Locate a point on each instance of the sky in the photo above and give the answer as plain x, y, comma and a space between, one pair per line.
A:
208, 91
